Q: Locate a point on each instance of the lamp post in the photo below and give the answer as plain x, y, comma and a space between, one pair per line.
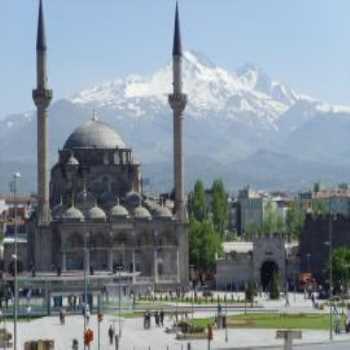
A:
86, 266
330, 232
193, 290
15, 177
226, 330
119, 270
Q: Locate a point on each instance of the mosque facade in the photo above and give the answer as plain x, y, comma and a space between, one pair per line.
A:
92, 213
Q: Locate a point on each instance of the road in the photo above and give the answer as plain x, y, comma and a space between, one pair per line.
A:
333, 346
329, 346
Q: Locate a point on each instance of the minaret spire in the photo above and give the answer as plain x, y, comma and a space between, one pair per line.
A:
42, 97
41, 37
177, 47
177, 101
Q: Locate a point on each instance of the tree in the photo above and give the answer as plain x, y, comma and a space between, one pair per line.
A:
341, 267
205, 244
220, 209
295, 220
250, 292
251, 230
270, 219
272, 222
197, 203
319, 207
274, 287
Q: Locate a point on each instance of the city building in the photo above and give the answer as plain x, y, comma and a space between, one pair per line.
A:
318, 231
256, 261
323, 200
253, 208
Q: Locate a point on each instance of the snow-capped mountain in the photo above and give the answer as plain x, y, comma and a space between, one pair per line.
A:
230, 117
212, 91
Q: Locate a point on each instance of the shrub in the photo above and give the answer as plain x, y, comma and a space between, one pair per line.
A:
274, 289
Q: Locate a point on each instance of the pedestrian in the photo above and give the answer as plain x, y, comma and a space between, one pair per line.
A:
347, 325
313, 299
75, 344
161, 317
62, 316
111, 334
337, 323
156, 318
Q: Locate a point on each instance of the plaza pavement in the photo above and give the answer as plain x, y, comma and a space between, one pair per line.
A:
134, 337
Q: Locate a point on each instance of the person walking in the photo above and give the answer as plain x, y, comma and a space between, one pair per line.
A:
62, 316
156, 318
347, 325
161, 318
111, 334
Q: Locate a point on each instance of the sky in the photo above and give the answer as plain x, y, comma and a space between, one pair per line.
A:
304, 43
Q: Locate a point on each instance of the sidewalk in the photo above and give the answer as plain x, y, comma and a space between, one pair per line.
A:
134, 337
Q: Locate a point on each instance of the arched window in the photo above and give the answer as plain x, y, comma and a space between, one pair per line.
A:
75, 240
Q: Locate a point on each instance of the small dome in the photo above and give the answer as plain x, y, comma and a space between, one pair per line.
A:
73, 213
163, 212
85, 199
94, 134
72, 161
107, 199
119, 211
96, 213
142, 213
134, 199
57, 211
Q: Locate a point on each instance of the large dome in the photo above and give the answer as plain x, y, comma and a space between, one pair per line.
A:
94, 134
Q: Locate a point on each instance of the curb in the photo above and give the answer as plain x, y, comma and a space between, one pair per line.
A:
281, 345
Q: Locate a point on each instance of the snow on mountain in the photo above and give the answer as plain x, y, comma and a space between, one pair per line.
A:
230, 117
247, 95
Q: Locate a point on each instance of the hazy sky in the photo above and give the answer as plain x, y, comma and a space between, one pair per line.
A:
305, 43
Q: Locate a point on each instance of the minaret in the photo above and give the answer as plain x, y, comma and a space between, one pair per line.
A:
42, 97
177, 101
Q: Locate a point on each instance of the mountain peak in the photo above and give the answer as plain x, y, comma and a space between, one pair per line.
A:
198, 58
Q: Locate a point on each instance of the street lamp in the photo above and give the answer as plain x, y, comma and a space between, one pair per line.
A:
86, 267
330, 275
15, 177
226, 330
330, 262
119, 270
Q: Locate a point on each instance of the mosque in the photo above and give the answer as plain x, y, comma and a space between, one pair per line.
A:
92, 214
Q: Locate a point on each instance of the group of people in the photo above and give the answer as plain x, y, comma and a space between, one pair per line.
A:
158, 319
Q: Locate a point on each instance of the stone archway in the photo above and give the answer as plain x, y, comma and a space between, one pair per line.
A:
268, 268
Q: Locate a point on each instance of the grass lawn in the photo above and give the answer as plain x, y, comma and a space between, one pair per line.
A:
274, 321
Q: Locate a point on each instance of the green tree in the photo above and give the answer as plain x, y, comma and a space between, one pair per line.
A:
251, 230
220, 208
197, 203
250, 292
341, 267
269, 221
319, 207
274, 287
273, 222
205, 244
295, 220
